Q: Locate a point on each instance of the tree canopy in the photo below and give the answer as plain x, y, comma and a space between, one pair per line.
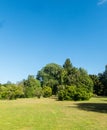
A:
62, 77
67, 82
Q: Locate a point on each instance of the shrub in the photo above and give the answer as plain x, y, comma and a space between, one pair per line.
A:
38, 92
61, 95
10, 92
67, 93
73, 93
47, 91
81, 94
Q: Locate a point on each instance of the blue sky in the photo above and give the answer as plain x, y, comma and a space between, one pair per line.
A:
34, 33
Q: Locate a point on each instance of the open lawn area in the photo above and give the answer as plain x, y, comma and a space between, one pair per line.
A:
49, 114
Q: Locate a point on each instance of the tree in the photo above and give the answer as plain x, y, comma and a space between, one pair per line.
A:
103, 80
98, 87
30, 86
67, 65
75, 77
50, 75
70, 73
85, 80
78, 77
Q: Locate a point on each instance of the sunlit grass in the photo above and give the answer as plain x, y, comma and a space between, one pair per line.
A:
49, 114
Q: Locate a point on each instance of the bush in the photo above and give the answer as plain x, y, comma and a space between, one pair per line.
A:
10, 92
47, 91
67, 93
81, 94
73, 93
38, 92
61, 95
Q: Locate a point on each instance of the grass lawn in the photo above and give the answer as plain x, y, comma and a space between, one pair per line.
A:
49, 114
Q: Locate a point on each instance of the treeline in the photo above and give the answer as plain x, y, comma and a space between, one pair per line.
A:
100, 83
66, 82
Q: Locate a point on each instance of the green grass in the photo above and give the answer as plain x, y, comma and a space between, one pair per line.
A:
49, 114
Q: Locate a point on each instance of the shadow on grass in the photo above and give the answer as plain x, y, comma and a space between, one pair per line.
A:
96, 107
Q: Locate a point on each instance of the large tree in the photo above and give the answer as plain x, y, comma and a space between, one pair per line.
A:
75, 76
50, 75
77, 85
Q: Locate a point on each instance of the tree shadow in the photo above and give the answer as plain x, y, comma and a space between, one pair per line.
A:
96, 107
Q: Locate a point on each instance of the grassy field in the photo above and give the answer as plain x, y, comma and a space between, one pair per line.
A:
49, 114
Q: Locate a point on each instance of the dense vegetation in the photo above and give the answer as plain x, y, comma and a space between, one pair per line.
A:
66, 82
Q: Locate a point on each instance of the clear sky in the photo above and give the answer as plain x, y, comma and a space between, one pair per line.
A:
34, 33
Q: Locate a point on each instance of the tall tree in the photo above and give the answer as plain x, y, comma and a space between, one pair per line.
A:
67, 65
85, 80
98, 87
78, 84
71, 73
50, 75
103, 79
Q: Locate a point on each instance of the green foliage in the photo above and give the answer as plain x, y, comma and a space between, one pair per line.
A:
47, 91
98, 86
77, 77
78, 80
103, 80
67, 65
50, 75
61, 94
30, 86
85, 80
11, 91
38, 92
67, 81
78, 84
82, 94
74, 93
